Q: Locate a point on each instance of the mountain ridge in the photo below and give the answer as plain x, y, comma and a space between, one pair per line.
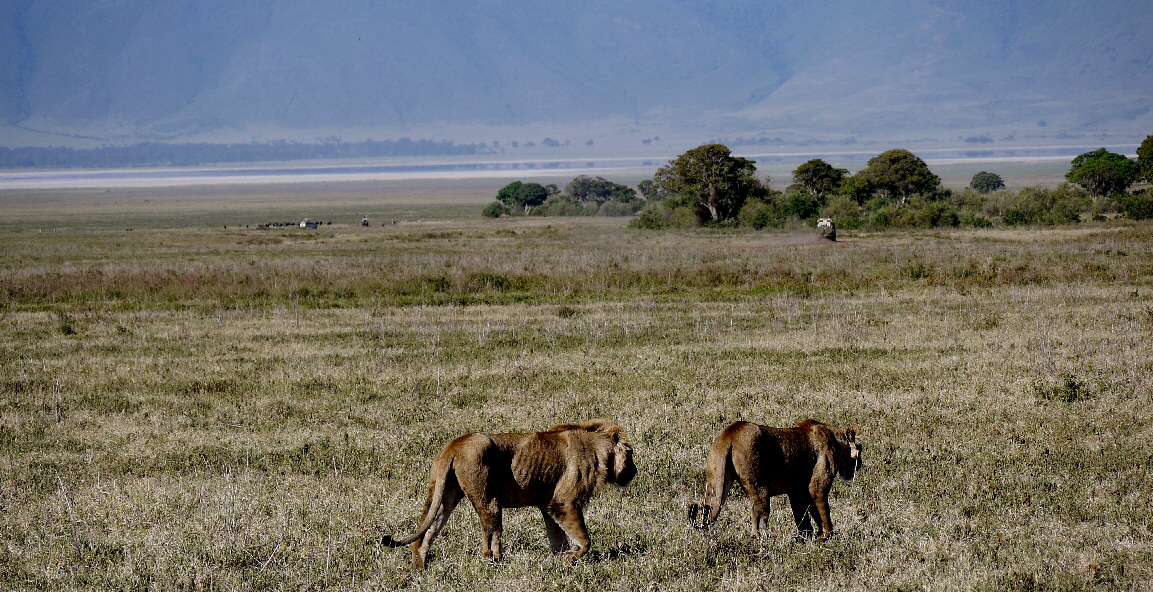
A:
179, 70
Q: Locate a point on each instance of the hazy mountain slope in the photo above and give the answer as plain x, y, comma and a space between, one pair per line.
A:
167, 68
972, 64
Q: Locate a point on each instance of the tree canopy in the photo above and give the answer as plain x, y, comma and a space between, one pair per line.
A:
1102, 172
598, 190
711, 180
984, 182
819, 177
900, 173
507, 194
522, 194
1145, 158
856, 187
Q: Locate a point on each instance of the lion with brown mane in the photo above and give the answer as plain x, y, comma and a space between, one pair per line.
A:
801, 462
557, 471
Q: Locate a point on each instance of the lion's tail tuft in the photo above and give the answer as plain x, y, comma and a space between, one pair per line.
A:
388, 541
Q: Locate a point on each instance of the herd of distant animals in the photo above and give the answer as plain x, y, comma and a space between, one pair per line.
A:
558, 470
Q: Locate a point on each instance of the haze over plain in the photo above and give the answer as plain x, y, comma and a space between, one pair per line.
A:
992, 73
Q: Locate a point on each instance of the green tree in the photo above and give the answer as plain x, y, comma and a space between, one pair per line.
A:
984, 182
711, 180
1145, 158
857, 187
648, 189
900, 173
1102, 172
529, 195
597, 190
819, 177
507, 194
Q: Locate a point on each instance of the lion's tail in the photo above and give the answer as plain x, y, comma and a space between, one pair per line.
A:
719, 477
442, 476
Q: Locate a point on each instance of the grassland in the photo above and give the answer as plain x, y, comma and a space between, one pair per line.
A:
189, 407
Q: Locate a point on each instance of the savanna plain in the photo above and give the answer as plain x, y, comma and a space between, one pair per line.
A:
185, 406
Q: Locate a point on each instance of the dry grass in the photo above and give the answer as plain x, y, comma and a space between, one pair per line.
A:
199, 430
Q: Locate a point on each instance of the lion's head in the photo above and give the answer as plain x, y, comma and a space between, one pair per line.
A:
621, 466
849, 451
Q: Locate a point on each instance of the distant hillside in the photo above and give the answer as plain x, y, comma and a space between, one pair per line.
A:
170, 69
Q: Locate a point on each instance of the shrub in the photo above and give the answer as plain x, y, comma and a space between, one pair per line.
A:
1138, 206
1069, 390
931, 215
683, 217
659, 218
1015, 217
650, 219
975, 220
495, 209
883, 217
1037, 205
801, 204
619, 208
844, 211
754, 214
564, 205
760, 214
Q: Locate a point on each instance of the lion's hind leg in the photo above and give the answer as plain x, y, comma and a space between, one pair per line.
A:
802, 505
452, 497
491, 526
759, 499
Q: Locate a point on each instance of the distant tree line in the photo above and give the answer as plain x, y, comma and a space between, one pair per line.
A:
583, 196
711, 187
159, 153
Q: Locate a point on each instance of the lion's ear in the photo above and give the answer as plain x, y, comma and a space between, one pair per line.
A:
616, 434
852, 432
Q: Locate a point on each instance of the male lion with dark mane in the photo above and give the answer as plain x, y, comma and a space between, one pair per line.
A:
801, 461
556, 471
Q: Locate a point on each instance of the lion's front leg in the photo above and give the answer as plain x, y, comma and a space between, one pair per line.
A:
821, 502
557, 539
571, 519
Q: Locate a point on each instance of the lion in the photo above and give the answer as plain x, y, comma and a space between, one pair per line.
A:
801, 461
557, 471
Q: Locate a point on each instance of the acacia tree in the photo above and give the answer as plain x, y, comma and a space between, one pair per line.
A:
984, 182
507, 194
1102, 172
598, 190
900, 173
819, 177
525, 195
711, 180
530, 195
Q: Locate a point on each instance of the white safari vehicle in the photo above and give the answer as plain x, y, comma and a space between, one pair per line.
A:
826, 229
